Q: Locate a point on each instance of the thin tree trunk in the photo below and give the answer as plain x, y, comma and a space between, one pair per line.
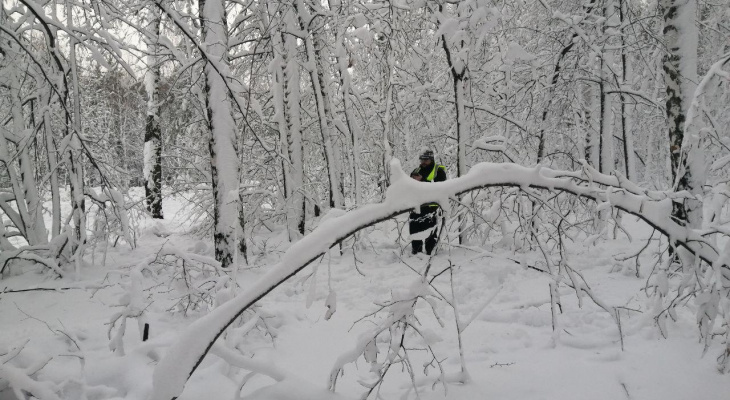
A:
292, 134
387, 126
153, 133
626, 125
52, 158
315, 69
281, 117
321, 55
550, 95
73, 155
463, 129
606, 164
353, 128
592, 148
20, 216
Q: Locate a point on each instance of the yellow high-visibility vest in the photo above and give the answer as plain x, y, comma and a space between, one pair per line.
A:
432, 175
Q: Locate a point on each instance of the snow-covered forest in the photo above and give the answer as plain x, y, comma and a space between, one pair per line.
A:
211, 198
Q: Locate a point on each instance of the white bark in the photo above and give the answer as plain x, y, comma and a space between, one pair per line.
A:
593, 134
52, 157
152, 168
73, 156
680, 77
222, 144
287, 98
34, 205
606, 122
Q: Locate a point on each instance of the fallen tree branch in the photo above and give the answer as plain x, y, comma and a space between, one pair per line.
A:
45, 289
184, 357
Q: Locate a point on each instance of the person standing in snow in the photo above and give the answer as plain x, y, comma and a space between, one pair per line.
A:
426, 219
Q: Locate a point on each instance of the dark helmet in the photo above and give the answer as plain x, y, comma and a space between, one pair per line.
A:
427, 155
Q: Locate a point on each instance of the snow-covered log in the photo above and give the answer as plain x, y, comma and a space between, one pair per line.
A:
403, 195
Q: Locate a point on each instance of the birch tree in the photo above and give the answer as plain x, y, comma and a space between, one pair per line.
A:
680, 78
41, 57
152, 171
222, 140
286, 94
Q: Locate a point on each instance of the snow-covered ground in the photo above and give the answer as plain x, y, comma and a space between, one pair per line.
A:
504, 309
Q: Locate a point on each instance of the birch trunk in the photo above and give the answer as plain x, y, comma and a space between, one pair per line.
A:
52, 158
287, 98
73, 155
278, 88
152, 139
680, 77
592, 148
222, 143
37, 233
606, 119
321, 55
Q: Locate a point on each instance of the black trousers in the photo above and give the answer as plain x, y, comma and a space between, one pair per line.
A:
420, 222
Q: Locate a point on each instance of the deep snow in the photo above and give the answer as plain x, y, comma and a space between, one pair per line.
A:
510, 349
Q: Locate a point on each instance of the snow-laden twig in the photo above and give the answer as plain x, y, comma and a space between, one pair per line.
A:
19, 379
33, 254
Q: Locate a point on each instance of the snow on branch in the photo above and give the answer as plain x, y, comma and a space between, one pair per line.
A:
404, 194
19, 379
491, 143
220, 69
30, 253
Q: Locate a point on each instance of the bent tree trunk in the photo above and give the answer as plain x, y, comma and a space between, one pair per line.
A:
185, 356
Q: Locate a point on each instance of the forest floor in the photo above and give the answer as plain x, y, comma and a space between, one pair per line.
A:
509, 346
